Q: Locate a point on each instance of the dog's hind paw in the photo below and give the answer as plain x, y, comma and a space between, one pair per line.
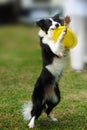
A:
52, 118
31, 124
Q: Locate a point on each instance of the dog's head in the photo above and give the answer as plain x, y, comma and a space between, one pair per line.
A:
50, 24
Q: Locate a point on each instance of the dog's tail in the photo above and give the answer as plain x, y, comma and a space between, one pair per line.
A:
26, 111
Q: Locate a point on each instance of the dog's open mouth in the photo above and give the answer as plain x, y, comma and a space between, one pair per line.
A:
53, 29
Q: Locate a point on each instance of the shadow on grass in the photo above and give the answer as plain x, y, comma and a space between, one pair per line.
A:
67, 122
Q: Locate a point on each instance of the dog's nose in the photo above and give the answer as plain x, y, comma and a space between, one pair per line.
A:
57, 25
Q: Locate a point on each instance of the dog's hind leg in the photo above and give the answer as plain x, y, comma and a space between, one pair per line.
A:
51, 104
49, 109
35, 113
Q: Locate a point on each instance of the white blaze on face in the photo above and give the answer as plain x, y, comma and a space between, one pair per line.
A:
54, 23
52, 27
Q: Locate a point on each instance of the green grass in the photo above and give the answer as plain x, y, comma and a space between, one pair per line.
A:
20, 65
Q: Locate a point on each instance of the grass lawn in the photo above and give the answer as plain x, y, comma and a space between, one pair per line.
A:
20, 65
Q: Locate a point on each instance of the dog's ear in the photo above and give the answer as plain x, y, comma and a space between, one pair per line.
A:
58, 18
41, 23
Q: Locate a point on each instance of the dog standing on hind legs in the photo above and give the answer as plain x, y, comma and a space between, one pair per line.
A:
46, 94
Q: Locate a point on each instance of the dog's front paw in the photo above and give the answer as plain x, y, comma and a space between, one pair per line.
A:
60, 54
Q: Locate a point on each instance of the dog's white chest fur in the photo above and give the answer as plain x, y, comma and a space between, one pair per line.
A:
57, 66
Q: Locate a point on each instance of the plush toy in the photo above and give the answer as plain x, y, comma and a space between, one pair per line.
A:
70, 39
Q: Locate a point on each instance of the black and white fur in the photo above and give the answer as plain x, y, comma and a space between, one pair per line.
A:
46, 94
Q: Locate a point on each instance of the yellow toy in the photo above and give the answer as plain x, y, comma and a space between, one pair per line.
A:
70, 39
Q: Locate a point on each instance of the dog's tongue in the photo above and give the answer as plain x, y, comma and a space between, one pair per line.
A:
52, 28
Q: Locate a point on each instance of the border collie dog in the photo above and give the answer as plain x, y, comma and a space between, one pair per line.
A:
46, 94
